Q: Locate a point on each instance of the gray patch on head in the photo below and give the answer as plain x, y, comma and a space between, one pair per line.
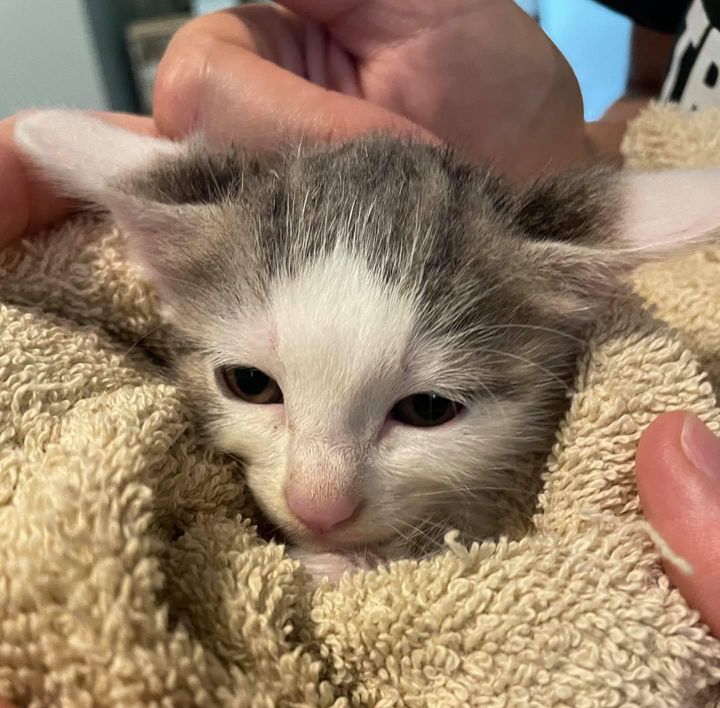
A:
578, 207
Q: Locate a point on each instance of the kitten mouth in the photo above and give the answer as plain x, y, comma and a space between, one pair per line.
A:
326, 543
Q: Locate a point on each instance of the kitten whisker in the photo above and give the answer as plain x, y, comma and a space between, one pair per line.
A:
416, 538
180, 281
152, 330
538, 328
531, 362
469, 490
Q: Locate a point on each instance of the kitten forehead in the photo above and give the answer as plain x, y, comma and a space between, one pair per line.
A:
405, 208
402, 212
343, 335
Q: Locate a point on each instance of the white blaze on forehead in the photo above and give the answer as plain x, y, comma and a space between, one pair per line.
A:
342, 336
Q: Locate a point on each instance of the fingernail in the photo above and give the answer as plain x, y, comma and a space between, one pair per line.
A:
701, 447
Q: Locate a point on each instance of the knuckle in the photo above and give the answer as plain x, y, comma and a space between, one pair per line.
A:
177, 86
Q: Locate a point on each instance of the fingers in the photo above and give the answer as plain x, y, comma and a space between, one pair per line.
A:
27, 203
364, 26
14, 188
678, 476
243, 80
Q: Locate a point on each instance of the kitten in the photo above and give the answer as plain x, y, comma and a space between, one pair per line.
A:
385, 334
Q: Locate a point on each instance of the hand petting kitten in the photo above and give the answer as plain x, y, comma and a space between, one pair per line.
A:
328, 71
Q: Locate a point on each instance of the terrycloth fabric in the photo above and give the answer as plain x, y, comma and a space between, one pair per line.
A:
131, 574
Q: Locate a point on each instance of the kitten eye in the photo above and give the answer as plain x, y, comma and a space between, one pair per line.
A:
425, 410
251, 384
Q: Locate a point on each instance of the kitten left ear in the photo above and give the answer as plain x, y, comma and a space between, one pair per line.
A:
663, 213
590, 229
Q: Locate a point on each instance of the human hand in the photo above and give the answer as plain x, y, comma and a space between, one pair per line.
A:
478, 74
678, 477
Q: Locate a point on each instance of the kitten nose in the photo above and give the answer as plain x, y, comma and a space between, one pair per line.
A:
320, 515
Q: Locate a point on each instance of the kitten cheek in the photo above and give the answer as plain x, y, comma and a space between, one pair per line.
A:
257, 434
280, 416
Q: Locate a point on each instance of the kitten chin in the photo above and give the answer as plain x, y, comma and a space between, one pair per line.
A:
333, 566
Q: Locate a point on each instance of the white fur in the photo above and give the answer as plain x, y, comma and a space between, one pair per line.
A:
83, 155
663, 211
341, 345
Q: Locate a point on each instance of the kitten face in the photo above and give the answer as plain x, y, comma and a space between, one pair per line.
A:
356, 279
344, 349
385, 335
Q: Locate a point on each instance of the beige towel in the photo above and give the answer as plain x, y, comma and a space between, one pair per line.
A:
131, 574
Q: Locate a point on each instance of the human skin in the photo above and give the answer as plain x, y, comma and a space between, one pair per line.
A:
331, 69
678, 477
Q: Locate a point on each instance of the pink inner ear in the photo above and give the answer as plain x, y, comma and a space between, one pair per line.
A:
156, 233
664, 211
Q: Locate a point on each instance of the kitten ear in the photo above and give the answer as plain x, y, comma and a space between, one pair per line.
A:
589, 229
83, 156
663, 213
647, 215
87, 158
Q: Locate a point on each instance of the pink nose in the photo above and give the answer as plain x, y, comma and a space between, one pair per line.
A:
322, 514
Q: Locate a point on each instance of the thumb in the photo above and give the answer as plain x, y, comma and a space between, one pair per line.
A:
678, 477
214, 78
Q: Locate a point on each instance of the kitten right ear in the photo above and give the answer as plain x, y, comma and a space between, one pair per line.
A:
84, 156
